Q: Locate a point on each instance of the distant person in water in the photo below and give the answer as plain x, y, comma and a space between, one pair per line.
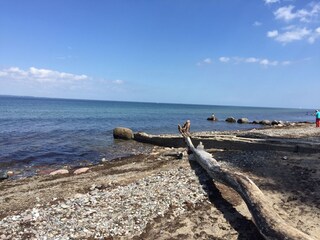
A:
317, 118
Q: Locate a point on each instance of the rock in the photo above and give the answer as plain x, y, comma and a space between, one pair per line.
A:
81, 170
104, 160
275, 122
177, 155
122, 133
212, 118
10, 173
60, 171
231, 120
3, 175
243, 120
255, 122
265, 122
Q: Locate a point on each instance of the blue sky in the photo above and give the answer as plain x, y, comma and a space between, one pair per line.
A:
219, 52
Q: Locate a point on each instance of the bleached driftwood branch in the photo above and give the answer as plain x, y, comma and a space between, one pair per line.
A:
268, 222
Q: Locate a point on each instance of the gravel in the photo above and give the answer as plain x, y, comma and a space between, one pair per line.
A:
121, 212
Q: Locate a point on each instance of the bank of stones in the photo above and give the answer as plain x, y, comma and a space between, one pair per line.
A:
122, 211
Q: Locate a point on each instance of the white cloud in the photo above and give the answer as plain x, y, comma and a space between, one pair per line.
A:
224, 59
286, 63
207, 60
253, 60
270, 1
118, 82
266, 62
204, 61
287, 14
301, 23
272, 34
257, 24
291, 35
40, 75
314, 35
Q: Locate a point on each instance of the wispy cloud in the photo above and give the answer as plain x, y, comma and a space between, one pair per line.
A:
293, 34
118, 82
40, 75
257, 24
266, 62
273, 33
254, 60
251, 60
314, 35
299, 24
287, 13
224, 59
271, 1
204, 62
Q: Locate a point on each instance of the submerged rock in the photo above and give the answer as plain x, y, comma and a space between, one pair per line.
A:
231, 120
122, 133
265, 122
212, 118
243, 120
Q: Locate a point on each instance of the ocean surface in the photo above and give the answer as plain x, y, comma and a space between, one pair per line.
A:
37, 133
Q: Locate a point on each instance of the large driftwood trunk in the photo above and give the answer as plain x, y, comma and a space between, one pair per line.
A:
268, 222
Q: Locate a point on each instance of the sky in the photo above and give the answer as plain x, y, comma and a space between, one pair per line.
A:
218, 52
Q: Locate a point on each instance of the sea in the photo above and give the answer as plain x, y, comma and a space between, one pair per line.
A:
46, 133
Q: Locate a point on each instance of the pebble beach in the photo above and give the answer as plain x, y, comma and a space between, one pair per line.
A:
159, 196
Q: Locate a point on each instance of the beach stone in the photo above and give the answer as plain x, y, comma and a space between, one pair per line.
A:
3, 175
81, 170
255, 122
243, 120
231, 120
275, 122
265, 122
59, 171
122, 133
10, 173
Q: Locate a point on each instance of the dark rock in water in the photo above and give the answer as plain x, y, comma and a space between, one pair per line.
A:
231, 120
3, 175
212, 118
122, 133
265, 122
275, 122
243, 120
255, 122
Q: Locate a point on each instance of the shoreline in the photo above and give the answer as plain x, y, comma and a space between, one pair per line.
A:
185, 205
142, 145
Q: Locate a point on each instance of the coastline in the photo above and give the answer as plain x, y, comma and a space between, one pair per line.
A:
154, 195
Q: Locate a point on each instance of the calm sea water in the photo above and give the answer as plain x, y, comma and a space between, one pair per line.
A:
37, 132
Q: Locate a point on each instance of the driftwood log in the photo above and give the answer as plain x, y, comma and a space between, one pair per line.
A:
267, 221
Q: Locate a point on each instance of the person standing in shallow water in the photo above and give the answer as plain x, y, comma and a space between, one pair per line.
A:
317, 118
